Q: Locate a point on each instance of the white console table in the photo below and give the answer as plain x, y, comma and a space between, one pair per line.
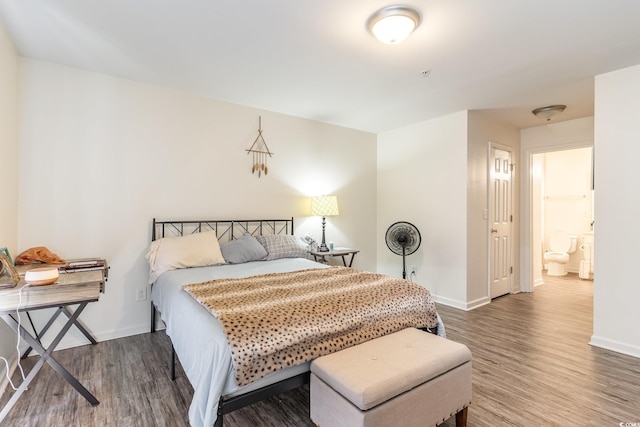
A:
78, 288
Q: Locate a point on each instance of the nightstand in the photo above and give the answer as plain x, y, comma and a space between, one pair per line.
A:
341, 252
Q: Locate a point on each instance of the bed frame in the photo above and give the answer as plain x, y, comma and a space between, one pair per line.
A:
227, 230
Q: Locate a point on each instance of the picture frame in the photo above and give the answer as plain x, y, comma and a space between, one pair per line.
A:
6, 252
7, 263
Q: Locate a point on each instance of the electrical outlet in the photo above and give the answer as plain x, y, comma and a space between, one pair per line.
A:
141, 294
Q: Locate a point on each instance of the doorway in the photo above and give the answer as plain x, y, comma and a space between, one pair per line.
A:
561, 196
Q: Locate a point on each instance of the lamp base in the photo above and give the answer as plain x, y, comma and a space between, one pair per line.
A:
323, 246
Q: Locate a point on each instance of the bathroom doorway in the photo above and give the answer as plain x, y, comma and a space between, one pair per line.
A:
561, 191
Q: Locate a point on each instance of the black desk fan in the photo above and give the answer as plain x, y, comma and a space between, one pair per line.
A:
403, 238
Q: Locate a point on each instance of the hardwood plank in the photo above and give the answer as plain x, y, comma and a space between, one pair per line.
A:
532, 366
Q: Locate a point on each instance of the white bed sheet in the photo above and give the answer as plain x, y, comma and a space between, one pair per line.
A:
203, 351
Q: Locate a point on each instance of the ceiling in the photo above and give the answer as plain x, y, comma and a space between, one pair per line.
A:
316, 59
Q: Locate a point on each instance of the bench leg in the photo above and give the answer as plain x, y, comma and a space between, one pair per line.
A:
461, 418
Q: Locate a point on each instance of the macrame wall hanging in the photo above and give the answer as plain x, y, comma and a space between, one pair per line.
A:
260, 152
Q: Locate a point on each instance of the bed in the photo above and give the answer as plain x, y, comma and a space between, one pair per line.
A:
198, 337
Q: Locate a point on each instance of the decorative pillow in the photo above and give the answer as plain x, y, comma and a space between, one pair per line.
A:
193, 250
283, 246
244, 249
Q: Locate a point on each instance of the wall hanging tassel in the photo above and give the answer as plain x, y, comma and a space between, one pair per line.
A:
260, 152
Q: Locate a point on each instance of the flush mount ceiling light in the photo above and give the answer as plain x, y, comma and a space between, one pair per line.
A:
393, 24
548, 113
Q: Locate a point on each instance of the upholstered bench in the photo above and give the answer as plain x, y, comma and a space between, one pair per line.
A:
409, 378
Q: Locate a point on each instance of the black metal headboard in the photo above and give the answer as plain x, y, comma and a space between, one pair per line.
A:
225, 229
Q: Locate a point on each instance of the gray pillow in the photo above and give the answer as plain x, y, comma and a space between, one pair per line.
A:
244, 249
283, 246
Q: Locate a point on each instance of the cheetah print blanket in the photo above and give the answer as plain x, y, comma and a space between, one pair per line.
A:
277, 320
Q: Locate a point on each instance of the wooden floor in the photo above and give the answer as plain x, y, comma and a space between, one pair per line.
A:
532, 366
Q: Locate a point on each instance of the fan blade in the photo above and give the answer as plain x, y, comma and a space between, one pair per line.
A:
402, 237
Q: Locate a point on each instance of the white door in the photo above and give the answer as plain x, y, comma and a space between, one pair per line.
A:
500, 220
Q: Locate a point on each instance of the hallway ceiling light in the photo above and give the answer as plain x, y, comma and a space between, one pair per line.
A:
548, 113
393, 24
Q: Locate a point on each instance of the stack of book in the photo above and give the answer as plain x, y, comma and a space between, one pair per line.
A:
85, 264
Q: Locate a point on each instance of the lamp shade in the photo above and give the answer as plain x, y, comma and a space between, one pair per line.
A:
324, 206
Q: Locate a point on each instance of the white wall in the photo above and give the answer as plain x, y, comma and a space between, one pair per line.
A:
434, 175
101, 156
536, 216
554, 136
8, 173
422, 179
617, 210
483, 130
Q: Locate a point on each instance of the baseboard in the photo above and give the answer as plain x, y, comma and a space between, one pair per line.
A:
449, 302
75, 339
617, 346
478, 303
568, 269
122, 333
466, 306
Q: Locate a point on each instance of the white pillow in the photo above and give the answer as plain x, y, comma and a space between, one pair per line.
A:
193, 250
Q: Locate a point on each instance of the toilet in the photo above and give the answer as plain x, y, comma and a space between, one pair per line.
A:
561, 245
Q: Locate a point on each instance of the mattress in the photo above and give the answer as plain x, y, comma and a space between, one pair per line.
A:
198, 338
203, 352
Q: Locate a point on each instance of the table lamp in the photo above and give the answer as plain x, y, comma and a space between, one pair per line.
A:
324, 206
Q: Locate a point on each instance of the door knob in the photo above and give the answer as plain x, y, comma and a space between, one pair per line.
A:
494, 230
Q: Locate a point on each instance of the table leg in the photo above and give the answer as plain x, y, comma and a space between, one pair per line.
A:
66, 312
45, 356
322, 258
33, 328
42, 332
78, 325
22, 388
350, 260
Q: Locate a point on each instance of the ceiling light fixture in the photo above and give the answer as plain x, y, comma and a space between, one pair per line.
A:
393, 24
548, 113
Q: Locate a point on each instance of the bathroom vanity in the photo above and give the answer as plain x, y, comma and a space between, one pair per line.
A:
586, 265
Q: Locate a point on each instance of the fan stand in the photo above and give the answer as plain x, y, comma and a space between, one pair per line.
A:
404, 263
403, 238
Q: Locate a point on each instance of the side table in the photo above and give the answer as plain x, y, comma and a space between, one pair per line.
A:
81, 287
340, 252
